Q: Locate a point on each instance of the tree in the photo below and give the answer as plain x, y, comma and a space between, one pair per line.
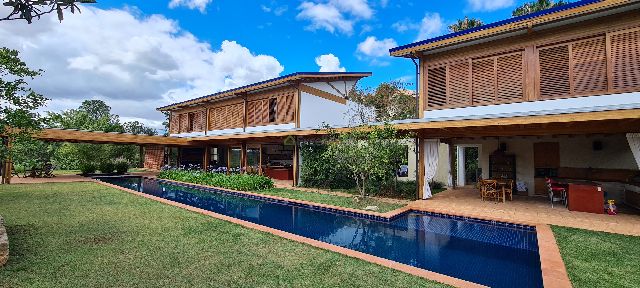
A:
95, 115
30, 9
135, 127
18, 102
464, 24
389, 101
367, 153
537, 5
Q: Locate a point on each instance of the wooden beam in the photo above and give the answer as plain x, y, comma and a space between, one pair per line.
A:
69, 135
322, 94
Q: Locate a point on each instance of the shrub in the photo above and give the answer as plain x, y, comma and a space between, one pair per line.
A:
106, 167
121, 167
87, 168
242, 182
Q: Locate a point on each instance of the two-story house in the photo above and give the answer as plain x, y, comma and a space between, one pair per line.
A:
549, 94
251, 128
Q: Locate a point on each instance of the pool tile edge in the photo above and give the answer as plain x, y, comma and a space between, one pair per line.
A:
426, 274
554, 272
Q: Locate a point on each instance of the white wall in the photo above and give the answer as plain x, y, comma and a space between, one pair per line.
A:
273, 127
314, 111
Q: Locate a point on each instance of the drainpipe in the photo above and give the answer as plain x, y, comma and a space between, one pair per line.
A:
417, 143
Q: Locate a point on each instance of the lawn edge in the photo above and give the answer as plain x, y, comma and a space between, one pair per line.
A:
426, 274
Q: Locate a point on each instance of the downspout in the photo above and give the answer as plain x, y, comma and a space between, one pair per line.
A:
417, 116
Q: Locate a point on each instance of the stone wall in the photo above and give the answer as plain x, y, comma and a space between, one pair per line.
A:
153, 157
4, 243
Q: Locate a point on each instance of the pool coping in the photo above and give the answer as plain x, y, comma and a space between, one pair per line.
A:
554, 272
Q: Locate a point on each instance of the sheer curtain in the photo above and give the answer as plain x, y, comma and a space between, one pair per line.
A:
430, 150
634, 144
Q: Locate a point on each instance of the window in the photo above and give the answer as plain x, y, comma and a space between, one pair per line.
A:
273, 109
192, 122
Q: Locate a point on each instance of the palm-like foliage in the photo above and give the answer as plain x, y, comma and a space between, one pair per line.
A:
464, 24
536, 6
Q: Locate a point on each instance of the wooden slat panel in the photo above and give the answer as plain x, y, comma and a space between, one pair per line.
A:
437, 87
174, 123
484, 81
226, 117
510, 78
554, 71
184, 123
459, 85
589, 66
625, 60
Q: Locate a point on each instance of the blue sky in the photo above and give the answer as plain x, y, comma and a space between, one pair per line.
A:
139, 55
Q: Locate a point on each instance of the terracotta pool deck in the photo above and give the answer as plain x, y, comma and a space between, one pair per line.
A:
527, 210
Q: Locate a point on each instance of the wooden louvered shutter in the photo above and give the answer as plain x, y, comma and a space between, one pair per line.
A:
625, 60
437, 87
237, 116
184, 123
285, 108
484, 81
554, 71
589, 66
510, 78
459, 85
174, 123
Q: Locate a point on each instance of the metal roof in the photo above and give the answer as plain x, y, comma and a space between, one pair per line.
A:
267, 83
515, 23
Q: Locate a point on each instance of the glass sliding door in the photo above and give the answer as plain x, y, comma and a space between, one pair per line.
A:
254, 159
235, 159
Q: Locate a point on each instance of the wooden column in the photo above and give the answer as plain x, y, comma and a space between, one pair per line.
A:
7, 171
296, 166
243, 157
205, 158
420, 169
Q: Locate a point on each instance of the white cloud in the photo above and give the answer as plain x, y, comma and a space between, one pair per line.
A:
329, 63
201, 5
334, 15
376, 48
135, 64
432, 25
489, 5
278, 11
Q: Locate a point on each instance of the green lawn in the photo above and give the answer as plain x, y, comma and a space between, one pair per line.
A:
88, 235
328, 199
599, 259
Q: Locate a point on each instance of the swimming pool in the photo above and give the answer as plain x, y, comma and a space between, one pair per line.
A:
485, 252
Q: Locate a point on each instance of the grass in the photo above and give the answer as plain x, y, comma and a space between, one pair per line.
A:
599, 259
88, 235
341, 201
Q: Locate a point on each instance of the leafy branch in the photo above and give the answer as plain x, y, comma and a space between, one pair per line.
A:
34, 9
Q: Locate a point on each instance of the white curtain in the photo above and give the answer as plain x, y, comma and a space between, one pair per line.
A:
430, 152
634, 144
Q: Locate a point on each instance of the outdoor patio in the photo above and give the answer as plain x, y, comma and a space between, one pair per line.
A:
532, 210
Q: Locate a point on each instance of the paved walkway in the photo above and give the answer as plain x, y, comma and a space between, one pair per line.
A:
527, 210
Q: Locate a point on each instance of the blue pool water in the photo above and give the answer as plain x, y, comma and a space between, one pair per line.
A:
485, 252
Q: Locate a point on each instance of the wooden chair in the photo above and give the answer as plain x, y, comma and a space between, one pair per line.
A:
490, 190
508, 188
556, 193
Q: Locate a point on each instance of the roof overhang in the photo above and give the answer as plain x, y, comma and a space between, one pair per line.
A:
99, 137
546, 19
298, 77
